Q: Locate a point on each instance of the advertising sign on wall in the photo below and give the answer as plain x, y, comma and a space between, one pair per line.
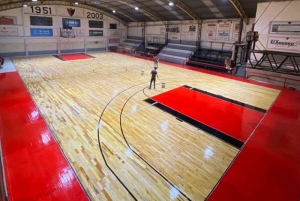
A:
284, 43
162, 30
285, 28
211, 30
8, 31
41, 32
79, 32
224, 26
235, 32
7, 20
115, 32
114, 40
223, 35
95, 33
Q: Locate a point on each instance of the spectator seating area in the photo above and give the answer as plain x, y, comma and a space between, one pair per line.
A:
176, 53
202, 57
154, 48
129, 45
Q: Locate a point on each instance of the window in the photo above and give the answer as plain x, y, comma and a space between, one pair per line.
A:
113, 26
69, 23
95, 24
41, 21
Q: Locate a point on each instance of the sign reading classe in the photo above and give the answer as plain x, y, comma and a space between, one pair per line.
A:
41, 32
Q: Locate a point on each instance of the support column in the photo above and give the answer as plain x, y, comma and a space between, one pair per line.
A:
199, 34
166, 34
236, 48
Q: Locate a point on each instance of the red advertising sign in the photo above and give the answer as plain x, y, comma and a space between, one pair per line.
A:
114, 40
6, 21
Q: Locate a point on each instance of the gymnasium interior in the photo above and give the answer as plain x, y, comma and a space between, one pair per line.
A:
84, 115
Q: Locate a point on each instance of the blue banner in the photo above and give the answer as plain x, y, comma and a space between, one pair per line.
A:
41, 32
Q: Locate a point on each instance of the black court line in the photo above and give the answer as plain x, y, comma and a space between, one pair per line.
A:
58, 57
228, 99
220, 135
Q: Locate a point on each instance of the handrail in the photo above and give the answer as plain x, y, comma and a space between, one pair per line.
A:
274, 76
188, 56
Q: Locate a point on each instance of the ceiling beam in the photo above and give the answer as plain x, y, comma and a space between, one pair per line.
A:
146, 9
63, 3
240, 10
187, 10
111, 7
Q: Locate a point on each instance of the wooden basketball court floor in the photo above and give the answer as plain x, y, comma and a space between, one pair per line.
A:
122, 147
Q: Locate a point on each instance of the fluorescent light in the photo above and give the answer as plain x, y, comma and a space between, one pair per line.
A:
171, 4
24, 5
76, 3
34, 0
114, 11
136, 8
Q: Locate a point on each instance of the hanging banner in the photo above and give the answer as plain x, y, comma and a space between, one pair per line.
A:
113, 41
211, 35
223, 35
41, 32
95, 32
284, 43
211, 30
192, 28
7, 20
115, 32
162, 30
284, 28
235, 32
79, 32
174, 36
224, 26
8, 31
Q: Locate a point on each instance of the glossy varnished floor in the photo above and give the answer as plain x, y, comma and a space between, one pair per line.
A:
121, 147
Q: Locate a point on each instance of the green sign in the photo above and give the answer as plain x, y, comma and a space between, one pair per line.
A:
95, 33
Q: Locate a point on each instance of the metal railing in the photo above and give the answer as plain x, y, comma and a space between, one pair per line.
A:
283, 81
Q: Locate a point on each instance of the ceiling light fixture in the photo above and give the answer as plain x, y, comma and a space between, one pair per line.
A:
76, 3
136, 8
34, 0
114, 11
171, 4
24, 5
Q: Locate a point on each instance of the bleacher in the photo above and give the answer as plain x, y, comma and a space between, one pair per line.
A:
176, 53
129, 45
209, 58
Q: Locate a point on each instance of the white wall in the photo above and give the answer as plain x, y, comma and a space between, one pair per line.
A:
23, 42
217, 42
157, 29
287, 11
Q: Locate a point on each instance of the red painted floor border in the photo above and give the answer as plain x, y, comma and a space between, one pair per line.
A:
268, 166
34, 165
70, 57
234, 120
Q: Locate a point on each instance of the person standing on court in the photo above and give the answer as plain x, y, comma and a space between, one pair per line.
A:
156, 59
153, 77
